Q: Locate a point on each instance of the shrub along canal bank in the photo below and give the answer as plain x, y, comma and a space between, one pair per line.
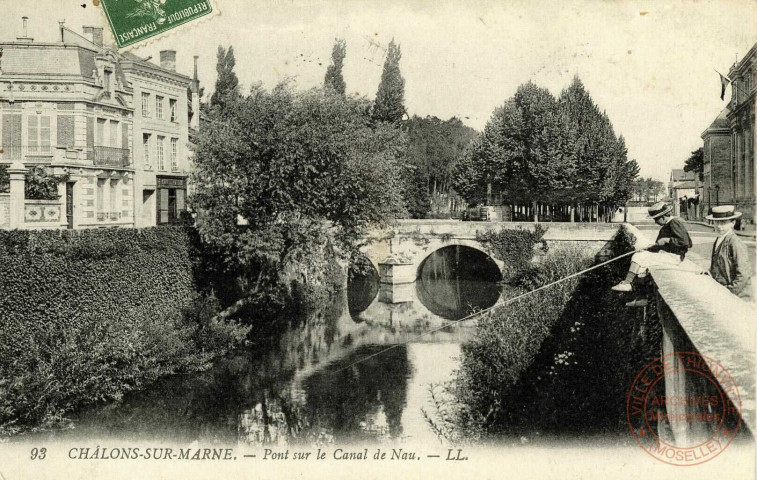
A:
89, 315
556, 363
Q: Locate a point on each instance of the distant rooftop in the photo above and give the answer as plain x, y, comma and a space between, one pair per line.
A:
679, 175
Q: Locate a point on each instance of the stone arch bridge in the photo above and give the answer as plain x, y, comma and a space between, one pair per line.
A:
397, 252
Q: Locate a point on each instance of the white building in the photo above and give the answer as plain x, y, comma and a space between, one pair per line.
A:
115, 125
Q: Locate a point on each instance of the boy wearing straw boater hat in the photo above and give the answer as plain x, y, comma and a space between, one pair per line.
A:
730, 259
673, 241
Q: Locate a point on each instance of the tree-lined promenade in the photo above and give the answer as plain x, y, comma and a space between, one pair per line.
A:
549, 156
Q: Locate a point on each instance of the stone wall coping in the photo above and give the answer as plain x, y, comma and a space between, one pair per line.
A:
467, 230
43, 202
718, 324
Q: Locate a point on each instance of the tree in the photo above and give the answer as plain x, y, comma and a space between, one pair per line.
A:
334, 78
695, 163
434, 148
390, 97
526, 152
538, 151
301, 170
41, 184
227, 83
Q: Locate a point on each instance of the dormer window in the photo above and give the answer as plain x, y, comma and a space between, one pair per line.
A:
106, 80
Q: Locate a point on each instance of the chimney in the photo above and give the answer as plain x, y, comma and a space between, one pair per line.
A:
25, 37
168, 59
95, 34
194, 122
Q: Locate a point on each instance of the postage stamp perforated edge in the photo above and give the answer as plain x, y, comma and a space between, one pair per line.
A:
179, 27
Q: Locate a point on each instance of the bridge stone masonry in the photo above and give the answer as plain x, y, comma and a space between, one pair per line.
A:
398, 252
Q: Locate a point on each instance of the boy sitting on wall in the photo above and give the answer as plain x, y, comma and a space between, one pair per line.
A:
673, 241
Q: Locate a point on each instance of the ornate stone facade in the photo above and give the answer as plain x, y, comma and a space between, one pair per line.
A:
75, 108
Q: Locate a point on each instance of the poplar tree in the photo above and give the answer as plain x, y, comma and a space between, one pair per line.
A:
390, 98
227, 83
334, 78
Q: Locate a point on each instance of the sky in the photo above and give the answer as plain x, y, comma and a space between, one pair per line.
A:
649, 65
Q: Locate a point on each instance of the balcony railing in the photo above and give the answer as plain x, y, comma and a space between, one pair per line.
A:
111, 156
17, 152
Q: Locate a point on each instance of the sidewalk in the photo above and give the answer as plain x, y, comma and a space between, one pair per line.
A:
750, 233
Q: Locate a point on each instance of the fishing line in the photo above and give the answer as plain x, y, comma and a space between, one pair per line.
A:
497, 305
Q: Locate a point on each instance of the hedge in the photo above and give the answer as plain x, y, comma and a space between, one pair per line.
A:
88, 315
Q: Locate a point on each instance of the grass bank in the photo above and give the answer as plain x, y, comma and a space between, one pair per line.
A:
556, 363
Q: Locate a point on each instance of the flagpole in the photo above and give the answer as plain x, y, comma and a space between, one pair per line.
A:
731, 82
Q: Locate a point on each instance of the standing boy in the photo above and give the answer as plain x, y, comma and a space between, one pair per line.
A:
730, 260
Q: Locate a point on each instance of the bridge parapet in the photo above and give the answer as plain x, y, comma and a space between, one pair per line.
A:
699, 315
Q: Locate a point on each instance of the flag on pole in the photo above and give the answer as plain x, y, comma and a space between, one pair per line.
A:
724, 81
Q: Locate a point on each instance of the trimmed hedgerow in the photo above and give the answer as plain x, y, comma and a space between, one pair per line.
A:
86, 316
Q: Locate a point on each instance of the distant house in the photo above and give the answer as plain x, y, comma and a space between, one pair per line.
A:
682, 190
115, 124
717, 182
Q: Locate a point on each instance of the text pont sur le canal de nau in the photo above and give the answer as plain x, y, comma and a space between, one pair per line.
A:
267, 454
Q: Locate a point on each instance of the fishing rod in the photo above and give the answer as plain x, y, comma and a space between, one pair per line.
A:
497, 305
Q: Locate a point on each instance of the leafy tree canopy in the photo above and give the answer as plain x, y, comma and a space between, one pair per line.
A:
536, 148
227, 83
695, 163
334, 78
390, 98
297, 168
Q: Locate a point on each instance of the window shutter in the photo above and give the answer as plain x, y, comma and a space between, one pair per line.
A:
125, 136
66, 130
90, 132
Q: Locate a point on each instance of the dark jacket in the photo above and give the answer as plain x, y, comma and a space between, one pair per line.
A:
730, 265
680, 241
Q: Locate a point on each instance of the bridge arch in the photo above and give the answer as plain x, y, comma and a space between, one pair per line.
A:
484, 255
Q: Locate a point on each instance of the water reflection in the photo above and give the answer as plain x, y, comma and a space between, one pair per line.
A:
324, 378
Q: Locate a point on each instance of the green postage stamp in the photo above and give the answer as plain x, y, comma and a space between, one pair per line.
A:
133, 21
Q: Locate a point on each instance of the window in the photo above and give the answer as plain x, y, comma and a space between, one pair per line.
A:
114, 199
113, 138
106, 80
159, 107
159, 153
100, 199
146, 150
100, 132
145, 104
172, 108
175, 154
38, 134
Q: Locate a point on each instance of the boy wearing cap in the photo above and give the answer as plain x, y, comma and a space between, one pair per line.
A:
673, 241
730, 260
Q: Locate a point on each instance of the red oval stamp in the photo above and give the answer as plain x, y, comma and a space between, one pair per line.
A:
683, 408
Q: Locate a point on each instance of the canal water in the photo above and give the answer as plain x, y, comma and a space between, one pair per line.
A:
356, 370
